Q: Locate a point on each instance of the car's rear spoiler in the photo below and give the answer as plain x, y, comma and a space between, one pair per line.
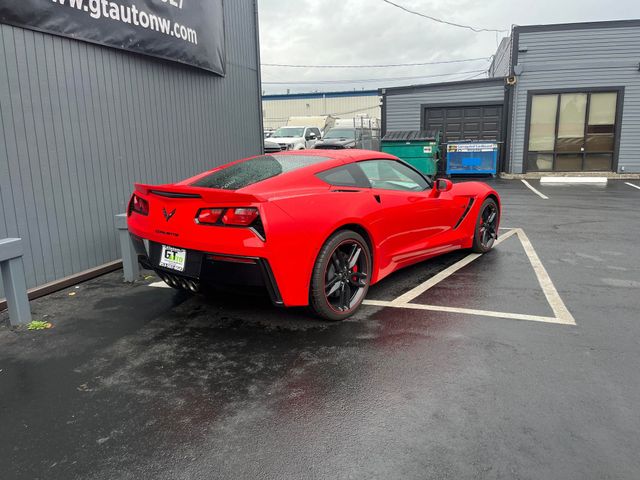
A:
212, 195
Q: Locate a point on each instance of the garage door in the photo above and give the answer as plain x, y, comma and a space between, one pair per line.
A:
465, 123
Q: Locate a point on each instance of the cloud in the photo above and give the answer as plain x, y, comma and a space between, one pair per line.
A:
371, 31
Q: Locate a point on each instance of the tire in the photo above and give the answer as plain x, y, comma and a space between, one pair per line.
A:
341, 276
486, 230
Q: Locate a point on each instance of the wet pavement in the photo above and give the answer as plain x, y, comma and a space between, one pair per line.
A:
142, 382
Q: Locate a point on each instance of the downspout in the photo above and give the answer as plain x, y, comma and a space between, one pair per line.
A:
510, 99
259, 77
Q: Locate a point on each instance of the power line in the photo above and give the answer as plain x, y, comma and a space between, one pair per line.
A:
445, 22
388, 65
335, 114
366, 80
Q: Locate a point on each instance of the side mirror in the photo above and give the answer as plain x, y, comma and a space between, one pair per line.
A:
311, 136
444, 185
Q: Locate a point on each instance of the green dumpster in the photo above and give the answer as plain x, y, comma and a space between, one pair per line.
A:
418, 148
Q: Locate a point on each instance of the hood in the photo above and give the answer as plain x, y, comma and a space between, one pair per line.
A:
337, 142
286, 139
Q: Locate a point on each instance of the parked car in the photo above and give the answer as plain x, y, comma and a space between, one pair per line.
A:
267, 133
359, 132
316, 228
296, 138
341, 138
321, 122
271, 147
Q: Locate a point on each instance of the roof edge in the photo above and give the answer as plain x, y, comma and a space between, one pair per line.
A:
577, 26
293, 96
425, 86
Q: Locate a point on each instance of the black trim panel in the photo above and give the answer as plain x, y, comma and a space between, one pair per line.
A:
161, 193
270, 282
466, 212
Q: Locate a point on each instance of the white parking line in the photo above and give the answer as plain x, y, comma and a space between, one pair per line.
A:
557, 305
632, 185
433, 281
530, 187
562, 314
469, 311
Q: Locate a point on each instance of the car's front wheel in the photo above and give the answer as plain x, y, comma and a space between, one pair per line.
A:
341, 276
486, 231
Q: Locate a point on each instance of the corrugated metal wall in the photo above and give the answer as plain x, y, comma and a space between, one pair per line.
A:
79, 124
403, 105
594, 57
277, 111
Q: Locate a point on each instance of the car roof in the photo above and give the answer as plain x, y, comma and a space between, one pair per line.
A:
300, 176
305, 177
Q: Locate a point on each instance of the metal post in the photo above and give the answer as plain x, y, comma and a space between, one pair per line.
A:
15, 285
129, 256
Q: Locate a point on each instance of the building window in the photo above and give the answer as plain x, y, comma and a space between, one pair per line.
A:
572, 131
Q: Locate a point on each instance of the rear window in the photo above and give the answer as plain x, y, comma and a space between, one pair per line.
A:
255, 170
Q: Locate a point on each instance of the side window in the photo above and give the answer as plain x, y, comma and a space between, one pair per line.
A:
316, 131
345, 176
392, 175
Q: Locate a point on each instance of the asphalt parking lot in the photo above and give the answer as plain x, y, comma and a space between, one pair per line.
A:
506, 367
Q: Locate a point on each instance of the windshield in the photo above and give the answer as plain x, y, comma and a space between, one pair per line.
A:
288, 132
254, 170
342, 133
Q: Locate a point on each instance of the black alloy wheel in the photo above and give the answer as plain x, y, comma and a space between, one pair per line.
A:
486, 226
341, 276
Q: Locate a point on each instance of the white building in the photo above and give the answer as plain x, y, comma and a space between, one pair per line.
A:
276, 109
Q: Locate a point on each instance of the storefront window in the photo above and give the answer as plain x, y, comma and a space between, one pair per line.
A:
572, 131
573, 108
602, 122
542, 134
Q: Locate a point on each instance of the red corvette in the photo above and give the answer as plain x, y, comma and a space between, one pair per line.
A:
315, 227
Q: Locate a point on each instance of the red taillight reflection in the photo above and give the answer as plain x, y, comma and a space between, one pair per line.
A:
138, 205
209, 216
242, 217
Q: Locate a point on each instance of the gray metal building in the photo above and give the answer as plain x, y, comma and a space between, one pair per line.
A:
80, 123
569, 97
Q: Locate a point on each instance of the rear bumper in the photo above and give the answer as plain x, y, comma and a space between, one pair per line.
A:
211, 268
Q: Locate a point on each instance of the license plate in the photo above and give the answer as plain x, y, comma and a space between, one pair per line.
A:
173, 258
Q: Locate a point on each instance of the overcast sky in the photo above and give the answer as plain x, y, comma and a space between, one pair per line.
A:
356, 32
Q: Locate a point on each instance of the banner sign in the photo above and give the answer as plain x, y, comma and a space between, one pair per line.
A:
472, 147
185, 31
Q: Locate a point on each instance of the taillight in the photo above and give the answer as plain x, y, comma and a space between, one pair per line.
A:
241, 217
139, 205
209, 216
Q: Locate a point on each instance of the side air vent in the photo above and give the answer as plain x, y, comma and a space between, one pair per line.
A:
466, 212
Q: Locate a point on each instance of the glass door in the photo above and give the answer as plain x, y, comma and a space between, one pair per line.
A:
571, 132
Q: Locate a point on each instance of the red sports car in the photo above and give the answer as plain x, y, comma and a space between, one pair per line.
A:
315, 227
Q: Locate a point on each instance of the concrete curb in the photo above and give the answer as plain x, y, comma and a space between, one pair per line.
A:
575, 180
539, 175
